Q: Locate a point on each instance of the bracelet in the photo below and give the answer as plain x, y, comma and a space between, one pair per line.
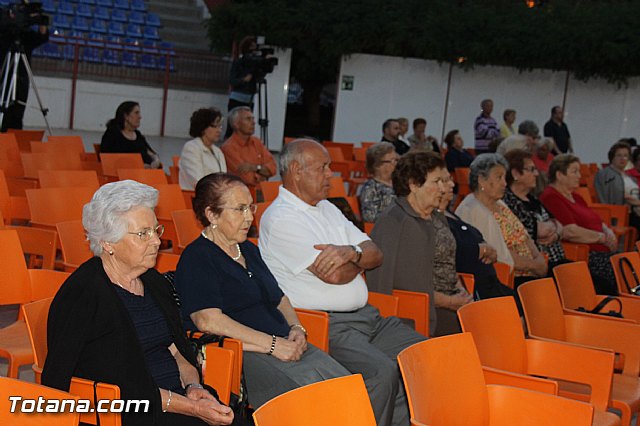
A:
300, 326
273, 344
193, 385
168, 402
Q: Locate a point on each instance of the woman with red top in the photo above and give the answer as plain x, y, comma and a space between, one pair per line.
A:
580, 223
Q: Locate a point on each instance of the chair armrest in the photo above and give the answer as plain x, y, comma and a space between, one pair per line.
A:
469, 281
386, 303
494, 376
217, 370
516, 406
573, 363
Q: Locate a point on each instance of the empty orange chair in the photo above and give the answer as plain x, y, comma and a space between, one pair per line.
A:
73, 243
415, 306
49, 206
11, 206
360, 154
33, 163
68, 144
10, 161
495, 325
112, 162
442, 373
38, 244
187, 227
146, 176
505, 273
24, 138
321, 403
462, 179
576, 252
68, 178
385, 303
170, 199
270, 190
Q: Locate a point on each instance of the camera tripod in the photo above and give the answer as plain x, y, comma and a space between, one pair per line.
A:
12, 61
263, 111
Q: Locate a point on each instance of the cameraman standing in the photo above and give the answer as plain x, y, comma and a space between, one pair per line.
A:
242, 80
25, 40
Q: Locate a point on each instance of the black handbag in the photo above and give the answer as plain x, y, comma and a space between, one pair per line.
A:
625, 264
600, 306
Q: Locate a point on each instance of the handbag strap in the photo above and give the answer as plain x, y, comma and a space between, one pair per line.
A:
625, 264
604, 303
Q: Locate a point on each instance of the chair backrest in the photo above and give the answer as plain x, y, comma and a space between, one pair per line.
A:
146, 176
321, 403
167, 262
33, 163
336, 187
583, 191
36, 315
68, 178
270, 189
386, 303
576, 252
52, 205
10, 160
74, 244
335, 153
84, 389
170, 199
505, 273
24, 137
14, 280
39, 245
32, 391
187, 226
469, 282
261, 208
111, 162
415, 306
462, 179
69, 146
220, 375
627, 272
360, 154
575, 285
439, 374
317, 325
45, 282
542, 309
497, 332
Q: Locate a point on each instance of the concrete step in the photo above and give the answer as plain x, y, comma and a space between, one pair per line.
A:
166, 9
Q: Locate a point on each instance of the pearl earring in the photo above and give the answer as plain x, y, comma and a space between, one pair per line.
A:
213, 226
111, 252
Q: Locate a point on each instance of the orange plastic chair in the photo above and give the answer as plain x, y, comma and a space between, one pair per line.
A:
385, 303
188, 197
628, 270
35, 316
24, 137
360, 154
317, 325
31, 391
440, 373
170, 199
415, 306
10, 160
33, 163
253, 240
462, 178
218, 371
68, 178
354, 203
546, 319
368, 227
73, 145
335, 153
367, 144
469, 281
146, 176
345, 147
336, 188
49, 206
73, 243
584, 192
495, 325
111, 162
505, 273
38, 244
576, 291
320, 403
270, 189
187, 227
261, 208
12, 207
576, 252
167, 262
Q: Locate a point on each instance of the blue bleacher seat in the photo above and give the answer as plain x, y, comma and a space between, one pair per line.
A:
75, 36
138, 5
162, 60
111, 57
148, 62
153, 20
121, 4
56, 35
133, 30
105, 3
68, 52
98, 26
79, 23
61, 21
101, 12
130, 59
4, 3
95, 40
115, 28
149, 46
84, 10
88, 2
136, 18
91, 54
48, 6
51, 50
112, 42
151, 33
65, 8
131, 44
118, 15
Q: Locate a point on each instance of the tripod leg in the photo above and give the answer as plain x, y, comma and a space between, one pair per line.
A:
43, 110
8, 83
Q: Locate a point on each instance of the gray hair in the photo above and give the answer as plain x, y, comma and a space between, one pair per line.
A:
375, 153
482, 165
234, 114
528, 127
294, 151
102, 216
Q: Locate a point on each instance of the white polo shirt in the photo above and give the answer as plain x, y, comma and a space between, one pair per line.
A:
288, 231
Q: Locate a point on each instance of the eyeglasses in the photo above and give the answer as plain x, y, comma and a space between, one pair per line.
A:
147, 233
531, 169
244, 209
216, 126
393, 161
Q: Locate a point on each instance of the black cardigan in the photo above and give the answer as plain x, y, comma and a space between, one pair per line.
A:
91, 335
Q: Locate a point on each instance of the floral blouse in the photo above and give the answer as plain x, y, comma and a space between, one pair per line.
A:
445, 276
374, 198
513, 232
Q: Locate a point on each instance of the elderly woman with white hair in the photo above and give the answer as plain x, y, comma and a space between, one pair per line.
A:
115, 320
485, 210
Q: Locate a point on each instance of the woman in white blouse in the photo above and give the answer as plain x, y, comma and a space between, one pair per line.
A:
200, 156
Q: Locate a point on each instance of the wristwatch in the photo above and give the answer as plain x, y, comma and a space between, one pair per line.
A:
258, 167
358, 251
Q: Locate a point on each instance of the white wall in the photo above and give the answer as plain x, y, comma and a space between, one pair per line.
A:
597, 113
96, 103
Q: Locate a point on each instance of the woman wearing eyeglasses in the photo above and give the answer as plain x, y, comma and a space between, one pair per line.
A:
226, 289
115, 320
377, 192
200, 156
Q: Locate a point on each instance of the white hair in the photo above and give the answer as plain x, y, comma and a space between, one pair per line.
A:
102, 217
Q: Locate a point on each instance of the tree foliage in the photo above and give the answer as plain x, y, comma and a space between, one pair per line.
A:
590, 38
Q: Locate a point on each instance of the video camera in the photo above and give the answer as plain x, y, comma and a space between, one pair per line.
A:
261, 62
16, 19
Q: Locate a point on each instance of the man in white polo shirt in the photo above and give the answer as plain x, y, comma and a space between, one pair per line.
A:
317, 256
